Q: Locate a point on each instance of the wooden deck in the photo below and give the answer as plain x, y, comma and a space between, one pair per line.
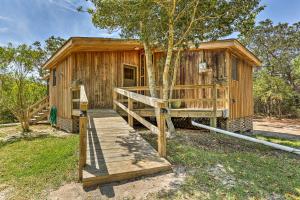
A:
116, 152
183, 112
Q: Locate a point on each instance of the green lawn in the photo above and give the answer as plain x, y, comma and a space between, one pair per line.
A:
221, 167
291, 143
32, 166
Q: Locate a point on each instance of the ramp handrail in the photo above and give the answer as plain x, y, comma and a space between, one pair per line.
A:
159, 106
83, 107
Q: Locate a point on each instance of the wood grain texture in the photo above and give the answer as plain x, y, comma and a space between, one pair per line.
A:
116, 152
241, 91
101, 71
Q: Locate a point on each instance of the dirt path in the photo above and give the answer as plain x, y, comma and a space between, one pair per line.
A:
284, 128
135, 189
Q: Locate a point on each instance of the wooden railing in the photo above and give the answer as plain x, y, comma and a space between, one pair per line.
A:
159, 106
216, 96
38, 106
214, 91
83, 107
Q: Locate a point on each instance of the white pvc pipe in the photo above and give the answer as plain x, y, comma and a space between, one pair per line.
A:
276, 146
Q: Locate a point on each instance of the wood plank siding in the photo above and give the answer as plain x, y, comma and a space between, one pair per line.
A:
100, 70
189, 74
60, 93
241, 90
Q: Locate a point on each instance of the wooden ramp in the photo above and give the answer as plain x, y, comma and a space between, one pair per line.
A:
116, 152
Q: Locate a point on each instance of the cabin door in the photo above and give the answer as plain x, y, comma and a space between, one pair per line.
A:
129, 75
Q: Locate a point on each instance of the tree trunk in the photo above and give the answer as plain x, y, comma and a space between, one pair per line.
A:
151, 76
166, 74
174, 76
150, 70
25, 121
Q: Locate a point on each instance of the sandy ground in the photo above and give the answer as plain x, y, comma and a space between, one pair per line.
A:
13, 133
285, 128
142, 188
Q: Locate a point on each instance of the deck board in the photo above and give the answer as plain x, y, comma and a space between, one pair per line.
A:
116, 152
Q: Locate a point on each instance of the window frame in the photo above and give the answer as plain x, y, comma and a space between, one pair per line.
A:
54, 77
235, 73
136, 72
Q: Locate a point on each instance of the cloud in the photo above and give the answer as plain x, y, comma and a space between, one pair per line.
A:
64, 4
3, 29
5, 18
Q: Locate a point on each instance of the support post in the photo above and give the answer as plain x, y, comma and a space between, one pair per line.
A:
160, 92
115, 96
82, 142
130, 107
213, 120
228, 82
162, 141
83, 106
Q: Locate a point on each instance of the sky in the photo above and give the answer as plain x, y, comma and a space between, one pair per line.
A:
26, 21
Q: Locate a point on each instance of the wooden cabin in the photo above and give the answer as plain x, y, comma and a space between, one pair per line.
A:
214, 81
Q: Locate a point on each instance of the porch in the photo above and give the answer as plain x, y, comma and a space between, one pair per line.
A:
110, 150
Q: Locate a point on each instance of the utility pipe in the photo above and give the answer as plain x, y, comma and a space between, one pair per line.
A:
276, 146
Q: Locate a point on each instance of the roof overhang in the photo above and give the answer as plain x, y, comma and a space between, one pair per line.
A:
236, 47
76, 44
232, 44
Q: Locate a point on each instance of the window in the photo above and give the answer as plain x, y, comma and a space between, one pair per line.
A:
54, 77
234, 69
128, 73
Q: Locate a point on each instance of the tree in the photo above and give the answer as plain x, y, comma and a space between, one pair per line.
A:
53, 44
272, 94
172, 25
278, 46
18, 65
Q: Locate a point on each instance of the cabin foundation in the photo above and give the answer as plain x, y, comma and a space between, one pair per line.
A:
242, 124
66, 124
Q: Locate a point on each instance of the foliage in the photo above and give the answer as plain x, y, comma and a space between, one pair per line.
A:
21, 75
48, 163
194, 21
19, 89
222, 167
272, 94
53, 44
278, 46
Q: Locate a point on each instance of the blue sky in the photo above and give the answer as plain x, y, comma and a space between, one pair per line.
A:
26, 21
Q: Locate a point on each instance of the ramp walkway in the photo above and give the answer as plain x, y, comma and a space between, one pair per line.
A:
115, 151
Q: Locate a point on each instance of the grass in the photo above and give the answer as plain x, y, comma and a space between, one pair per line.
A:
32, 166
218, 166
291, 143
221, 167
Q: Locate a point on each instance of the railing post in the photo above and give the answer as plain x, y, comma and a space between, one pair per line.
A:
213, 120
83, 106
83, 142
162, 141
130, 107
115, 96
